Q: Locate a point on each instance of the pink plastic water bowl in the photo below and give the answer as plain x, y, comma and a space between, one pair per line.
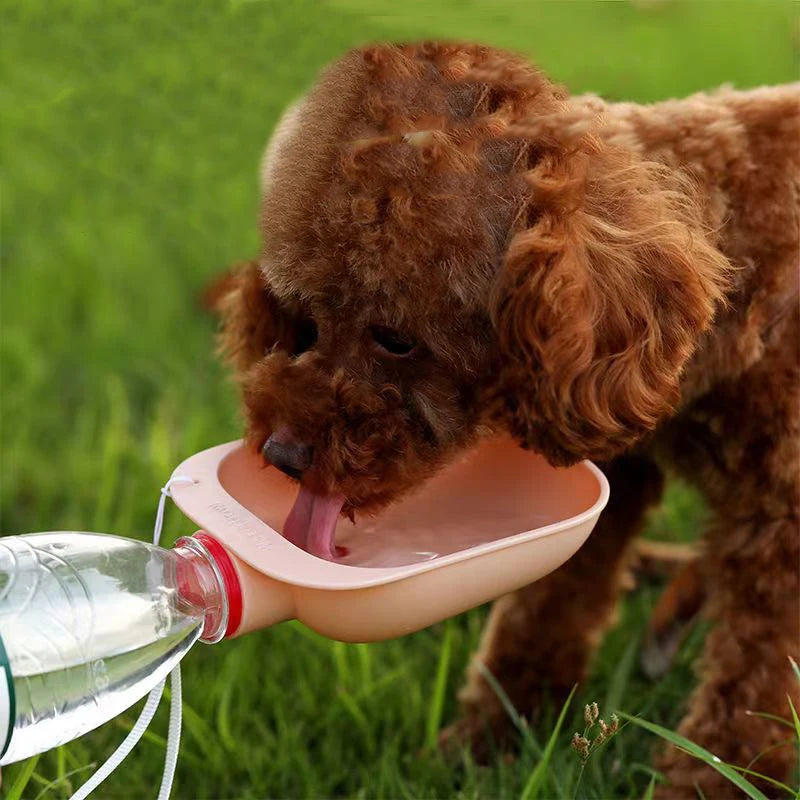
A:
497, 519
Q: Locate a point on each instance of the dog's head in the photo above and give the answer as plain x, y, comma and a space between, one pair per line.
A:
450, 247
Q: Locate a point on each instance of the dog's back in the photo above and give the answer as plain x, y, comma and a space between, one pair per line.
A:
742, 149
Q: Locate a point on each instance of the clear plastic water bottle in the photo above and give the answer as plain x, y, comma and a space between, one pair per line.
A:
89, 623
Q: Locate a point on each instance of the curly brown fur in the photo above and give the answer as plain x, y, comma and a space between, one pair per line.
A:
611, 281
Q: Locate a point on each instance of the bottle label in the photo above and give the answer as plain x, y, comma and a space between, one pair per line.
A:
8, 703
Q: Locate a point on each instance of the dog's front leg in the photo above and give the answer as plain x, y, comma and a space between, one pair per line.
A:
753, 577
538, 640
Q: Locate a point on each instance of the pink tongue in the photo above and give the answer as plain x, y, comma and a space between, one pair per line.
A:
311, 523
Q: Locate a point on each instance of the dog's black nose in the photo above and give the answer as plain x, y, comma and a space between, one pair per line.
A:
289, 456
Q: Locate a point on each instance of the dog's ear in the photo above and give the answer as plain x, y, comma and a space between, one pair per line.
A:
252, 319
601, 299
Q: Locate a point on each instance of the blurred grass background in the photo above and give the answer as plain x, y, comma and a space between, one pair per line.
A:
130, 138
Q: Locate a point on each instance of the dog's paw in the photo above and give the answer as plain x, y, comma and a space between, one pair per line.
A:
485, 739
672, 618
682, 783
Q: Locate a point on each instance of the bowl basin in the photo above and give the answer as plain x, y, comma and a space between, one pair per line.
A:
496, 519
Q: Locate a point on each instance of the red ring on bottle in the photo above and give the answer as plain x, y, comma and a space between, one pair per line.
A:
233, 589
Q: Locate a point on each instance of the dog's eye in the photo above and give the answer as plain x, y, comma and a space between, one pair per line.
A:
392, 341
305, 336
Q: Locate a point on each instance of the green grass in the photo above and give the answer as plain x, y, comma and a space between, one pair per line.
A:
130, 136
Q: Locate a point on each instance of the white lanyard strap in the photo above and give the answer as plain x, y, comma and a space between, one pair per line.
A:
150, 706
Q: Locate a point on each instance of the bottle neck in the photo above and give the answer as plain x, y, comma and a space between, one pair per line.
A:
208, 584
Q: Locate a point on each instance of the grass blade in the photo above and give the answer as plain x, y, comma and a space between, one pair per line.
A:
766, 750
700, 753
18, 787
61, 763
434, 718
224, 718
365, 662
536, 780
50, 785
201, 732
621, 676
637, 766
650, 790
505, 701
339, 653
312, 636
773, 717
126, 724
358, 717
795, 668
795, 718
766, 778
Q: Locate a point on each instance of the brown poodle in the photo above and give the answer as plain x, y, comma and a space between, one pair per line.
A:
453, 247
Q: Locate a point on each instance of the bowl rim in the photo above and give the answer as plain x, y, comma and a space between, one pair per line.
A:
208, 503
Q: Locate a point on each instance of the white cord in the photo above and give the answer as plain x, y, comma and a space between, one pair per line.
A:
162, 501
128, 743
173, 734
151, 704
175, 716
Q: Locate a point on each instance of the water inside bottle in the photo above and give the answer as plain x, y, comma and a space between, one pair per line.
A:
52, 702
90, 624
